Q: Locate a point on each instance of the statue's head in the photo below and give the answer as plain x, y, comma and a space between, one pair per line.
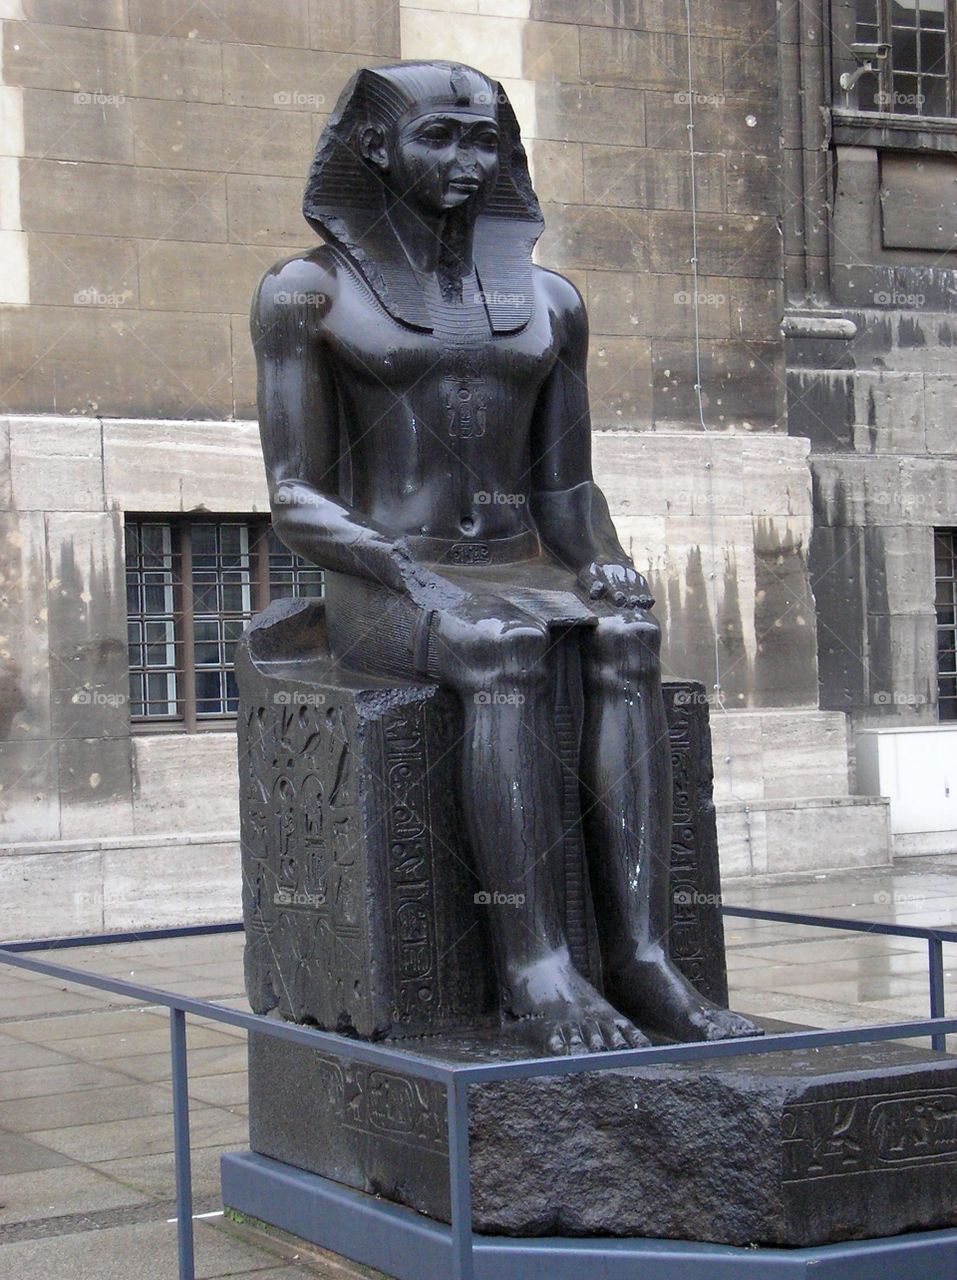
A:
442, 138
441, 152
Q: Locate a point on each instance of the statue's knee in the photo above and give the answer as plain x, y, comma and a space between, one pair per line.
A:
625, 647
513, 657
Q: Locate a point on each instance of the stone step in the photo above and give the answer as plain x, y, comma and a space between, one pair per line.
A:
779, 754
816, 833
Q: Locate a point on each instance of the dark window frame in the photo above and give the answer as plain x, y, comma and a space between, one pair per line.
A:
262, 589
945, 602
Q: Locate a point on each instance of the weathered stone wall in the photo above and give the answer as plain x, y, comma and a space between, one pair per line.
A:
153, 157
878, 409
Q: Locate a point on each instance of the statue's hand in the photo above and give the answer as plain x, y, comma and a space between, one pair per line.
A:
425, 587
617, 581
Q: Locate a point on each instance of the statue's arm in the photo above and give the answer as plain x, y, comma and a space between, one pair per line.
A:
568, 507
298, 422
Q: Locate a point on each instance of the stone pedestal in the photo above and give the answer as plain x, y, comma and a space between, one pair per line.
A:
788, 1149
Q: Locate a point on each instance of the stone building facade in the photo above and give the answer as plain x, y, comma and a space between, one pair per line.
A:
770, 412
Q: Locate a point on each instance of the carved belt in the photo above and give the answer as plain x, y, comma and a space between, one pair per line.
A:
521, 546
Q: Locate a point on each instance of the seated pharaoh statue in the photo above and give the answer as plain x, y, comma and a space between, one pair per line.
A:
425, 424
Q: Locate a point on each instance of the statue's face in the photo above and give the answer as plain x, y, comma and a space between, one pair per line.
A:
443, 160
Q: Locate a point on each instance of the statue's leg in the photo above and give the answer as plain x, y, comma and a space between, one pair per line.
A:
510, 792
626, 805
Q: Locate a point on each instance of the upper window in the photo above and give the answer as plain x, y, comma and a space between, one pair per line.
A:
945, 572
191, 588
913, 68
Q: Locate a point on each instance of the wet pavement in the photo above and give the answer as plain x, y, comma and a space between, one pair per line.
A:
86, 1164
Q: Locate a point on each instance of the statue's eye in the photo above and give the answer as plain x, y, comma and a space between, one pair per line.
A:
437, 134
488, 140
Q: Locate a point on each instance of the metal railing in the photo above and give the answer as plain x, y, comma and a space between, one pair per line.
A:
458, 1079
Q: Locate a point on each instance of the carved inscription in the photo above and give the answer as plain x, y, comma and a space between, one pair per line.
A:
385, 1104
850, 1136
686, 934
300, 834
411, 871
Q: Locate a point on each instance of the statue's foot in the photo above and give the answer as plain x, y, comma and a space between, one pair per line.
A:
566, 1014
657, 996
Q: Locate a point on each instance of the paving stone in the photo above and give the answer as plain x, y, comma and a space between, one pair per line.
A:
155, 1175
69, 1027
142, 1135
214, 1060
116, 1253
25, 1155
88, 1106
60, 1191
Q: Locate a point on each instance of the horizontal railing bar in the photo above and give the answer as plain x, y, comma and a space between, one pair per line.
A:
107, 939
840, 922
523, 1068
311, 1037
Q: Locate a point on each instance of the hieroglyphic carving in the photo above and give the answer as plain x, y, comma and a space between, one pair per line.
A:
411, 867
695, 935
844, 1137
385, 1104
299, 836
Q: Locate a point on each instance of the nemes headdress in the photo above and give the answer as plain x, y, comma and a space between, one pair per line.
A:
345, 199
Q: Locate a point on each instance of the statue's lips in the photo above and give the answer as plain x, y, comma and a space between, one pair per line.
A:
465, 184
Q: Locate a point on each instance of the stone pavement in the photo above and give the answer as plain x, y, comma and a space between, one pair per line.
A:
86, 1165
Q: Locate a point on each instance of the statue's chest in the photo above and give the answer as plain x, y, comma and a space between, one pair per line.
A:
455, 367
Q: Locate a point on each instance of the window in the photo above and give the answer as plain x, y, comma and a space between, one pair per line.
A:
945, 572
191, 588
916, 76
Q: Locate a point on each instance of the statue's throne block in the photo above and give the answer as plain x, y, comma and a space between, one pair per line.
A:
362, 907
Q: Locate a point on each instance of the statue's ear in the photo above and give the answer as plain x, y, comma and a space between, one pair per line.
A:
372, 146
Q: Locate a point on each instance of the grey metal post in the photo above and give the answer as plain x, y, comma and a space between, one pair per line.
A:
935, 963
463, 1264
184, 1180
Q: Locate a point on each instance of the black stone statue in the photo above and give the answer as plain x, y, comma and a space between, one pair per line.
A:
425, 423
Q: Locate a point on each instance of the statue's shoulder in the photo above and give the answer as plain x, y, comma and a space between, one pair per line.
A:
305, 283
561, 297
